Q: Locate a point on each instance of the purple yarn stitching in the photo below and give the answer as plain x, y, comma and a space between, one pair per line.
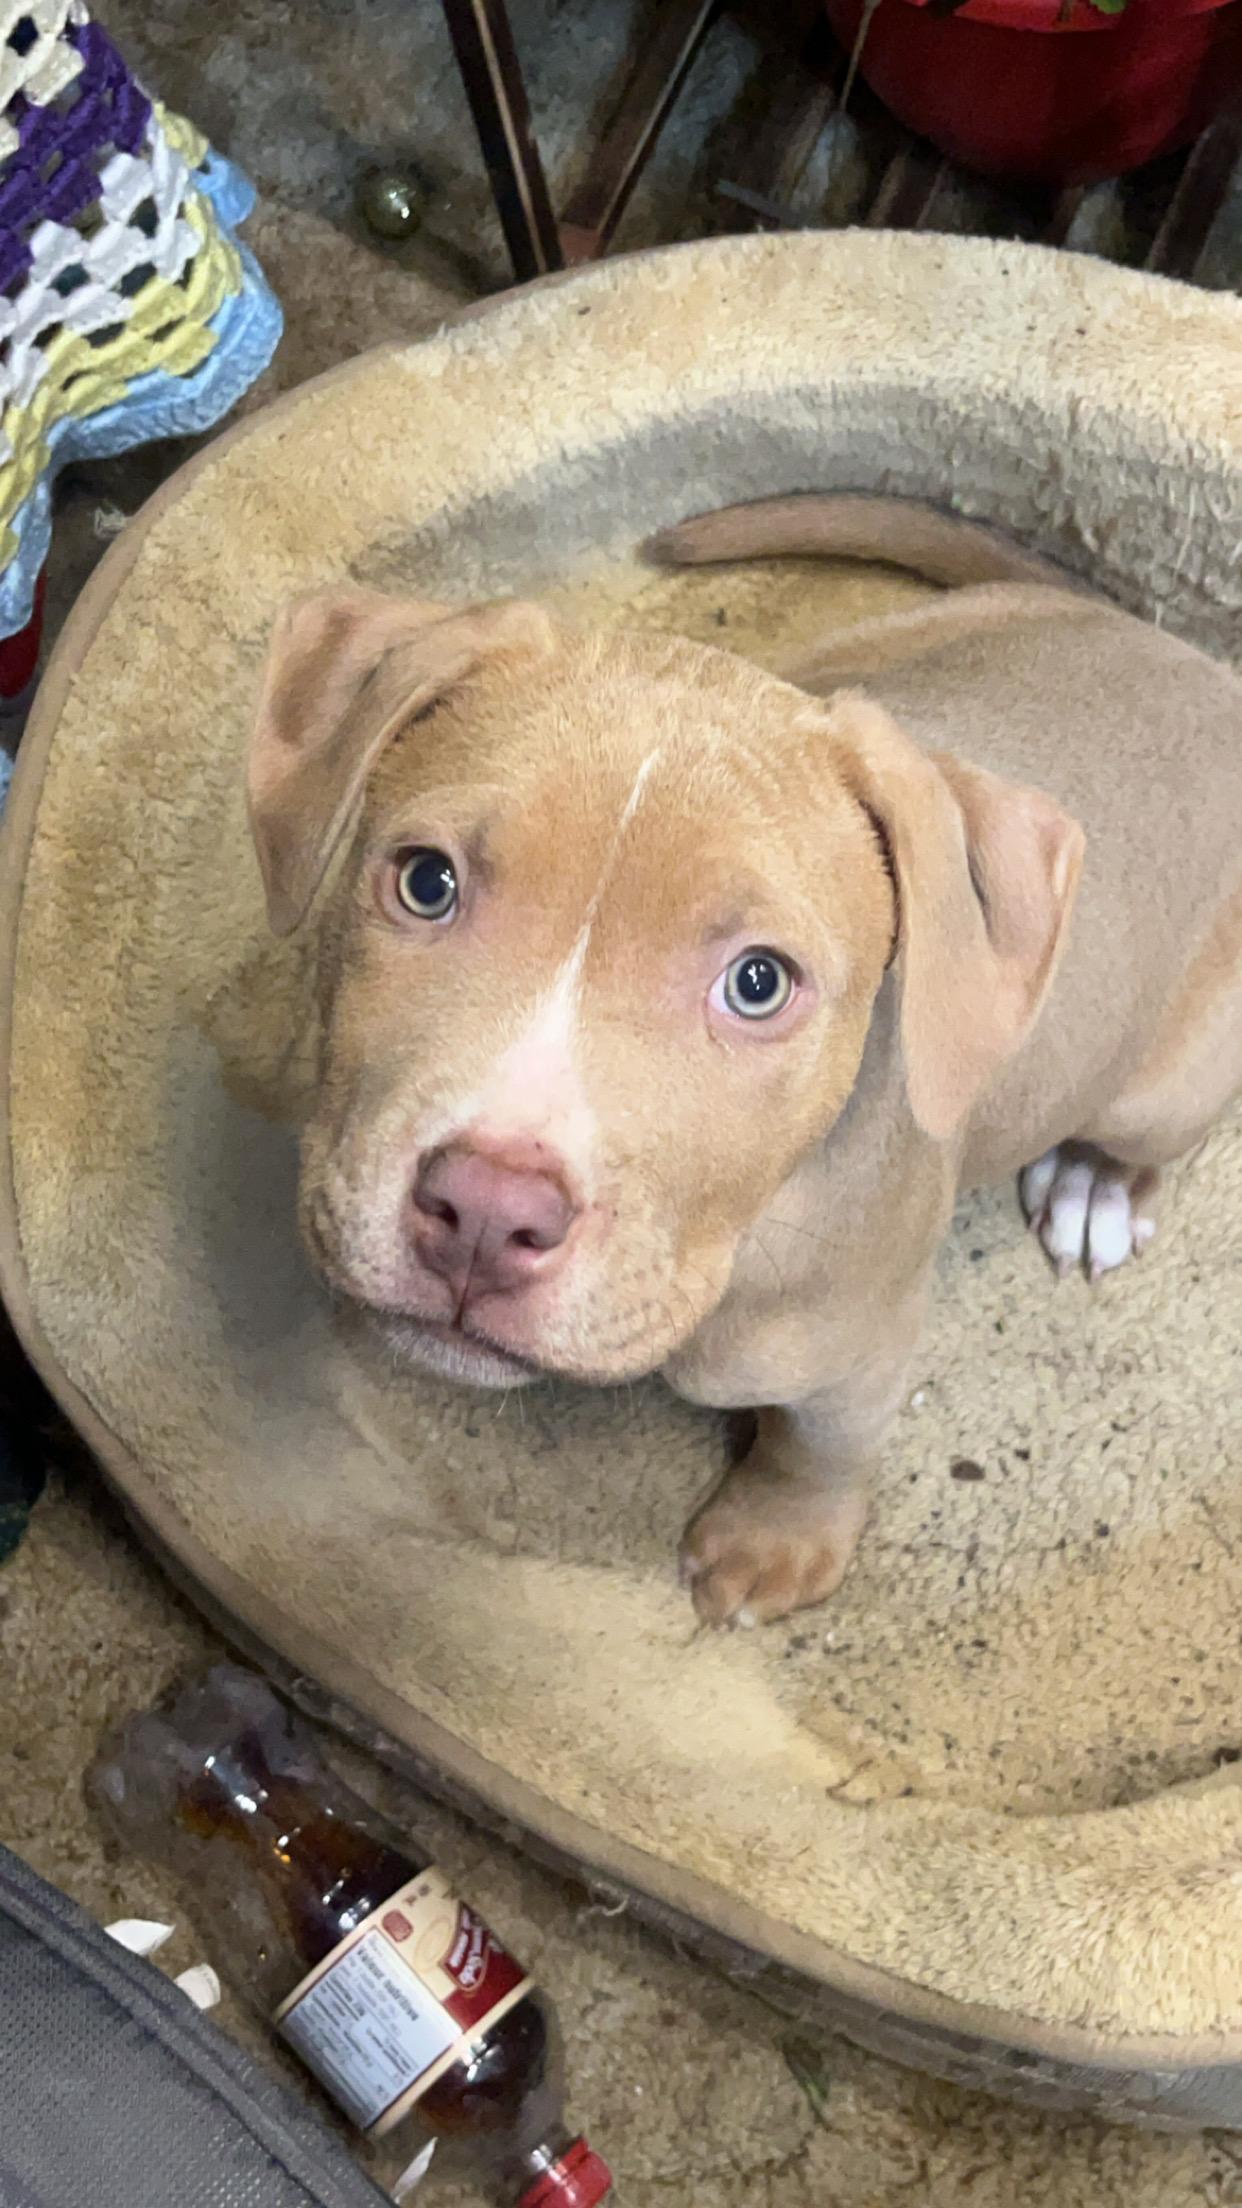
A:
109, 110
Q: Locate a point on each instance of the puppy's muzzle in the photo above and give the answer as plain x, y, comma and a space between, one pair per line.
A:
490, 1224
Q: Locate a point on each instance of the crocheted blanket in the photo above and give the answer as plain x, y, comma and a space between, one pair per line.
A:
128, 310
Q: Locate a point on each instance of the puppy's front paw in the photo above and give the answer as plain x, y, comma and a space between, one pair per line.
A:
764, 1546
1087, 1210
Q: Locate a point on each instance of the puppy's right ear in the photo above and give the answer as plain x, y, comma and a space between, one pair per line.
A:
346, 669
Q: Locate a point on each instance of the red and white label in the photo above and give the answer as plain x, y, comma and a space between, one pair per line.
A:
400, 2001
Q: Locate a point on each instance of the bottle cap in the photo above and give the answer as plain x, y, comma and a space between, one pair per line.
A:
578, 2180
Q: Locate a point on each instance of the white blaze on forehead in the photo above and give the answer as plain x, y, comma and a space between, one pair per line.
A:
533, 1089
571, 971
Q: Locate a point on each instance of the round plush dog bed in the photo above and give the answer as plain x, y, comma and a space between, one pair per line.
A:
983, 1809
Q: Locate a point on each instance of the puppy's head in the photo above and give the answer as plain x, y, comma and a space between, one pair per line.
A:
599, 952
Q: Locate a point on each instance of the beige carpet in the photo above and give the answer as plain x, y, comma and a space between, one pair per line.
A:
694, 2088
699, 2093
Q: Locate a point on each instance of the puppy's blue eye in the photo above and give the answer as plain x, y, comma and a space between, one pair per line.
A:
427, 884
758, 985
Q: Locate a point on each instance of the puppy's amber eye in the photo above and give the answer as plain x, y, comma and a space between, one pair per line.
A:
427, 884
758, 985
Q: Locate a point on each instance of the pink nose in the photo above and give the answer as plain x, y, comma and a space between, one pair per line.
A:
488, 1226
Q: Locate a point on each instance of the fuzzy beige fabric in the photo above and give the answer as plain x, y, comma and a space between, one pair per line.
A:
980, 1788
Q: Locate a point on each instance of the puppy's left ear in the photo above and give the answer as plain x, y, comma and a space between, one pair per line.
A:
346, 669
986, 874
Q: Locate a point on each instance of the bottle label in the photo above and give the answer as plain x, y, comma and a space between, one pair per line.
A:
400, 2001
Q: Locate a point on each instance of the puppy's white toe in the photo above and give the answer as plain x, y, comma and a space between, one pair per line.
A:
1110, 1225
1064, 1229
1034, 1183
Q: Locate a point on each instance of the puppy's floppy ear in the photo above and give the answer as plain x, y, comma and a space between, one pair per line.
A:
986, 873
345, 669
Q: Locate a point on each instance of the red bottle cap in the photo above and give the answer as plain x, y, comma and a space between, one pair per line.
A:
578, 2180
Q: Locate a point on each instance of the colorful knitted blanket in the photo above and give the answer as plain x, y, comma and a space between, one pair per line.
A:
128, 310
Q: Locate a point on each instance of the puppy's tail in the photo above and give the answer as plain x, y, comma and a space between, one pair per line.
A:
847, 525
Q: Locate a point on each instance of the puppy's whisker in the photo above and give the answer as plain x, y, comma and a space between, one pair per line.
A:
695, 1313
793, 1226
764, 1251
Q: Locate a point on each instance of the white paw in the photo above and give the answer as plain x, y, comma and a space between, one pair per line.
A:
1084, 1210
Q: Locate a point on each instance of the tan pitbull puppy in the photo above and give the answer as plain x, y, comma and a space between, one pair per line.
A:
667, 1006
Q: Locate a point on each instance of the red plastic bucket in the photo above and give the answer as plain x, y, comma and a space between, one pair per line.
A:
1007, 88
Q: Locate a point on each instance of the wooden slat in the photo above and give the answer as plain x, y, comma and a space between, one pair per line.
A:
1198, 199
596, 206
492, 75
1062, 216
793, 105
908, 189
754, 211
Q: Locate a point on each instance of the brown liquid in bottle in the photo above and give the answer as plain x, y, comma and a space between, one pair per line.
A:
324, 1875
314, 1864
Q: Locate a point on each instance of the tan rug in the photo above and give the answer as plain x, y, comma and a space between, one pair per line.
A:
979, 1793
697, 2090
